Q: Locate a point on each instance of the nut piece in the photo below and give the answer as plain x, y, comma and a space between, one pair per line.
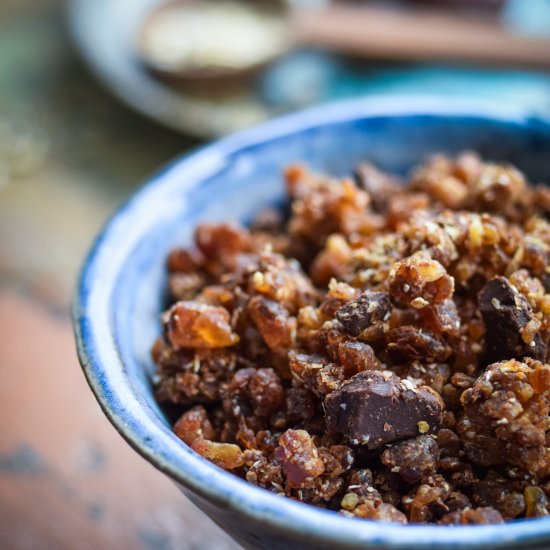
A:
369, 308
536, 502
193, 425
381, 512
472, 516
315, 373
299, 458
197, 325
224, 455
420, 277
408, 343
272, 321
356, 357
375, 407
506, 313
498, 492
413, 459
258, 390
380, 186
222, 243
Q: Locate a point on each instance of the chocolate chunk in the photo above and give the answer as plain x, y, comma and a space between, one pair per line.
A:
505, 314
376, 407
369, 308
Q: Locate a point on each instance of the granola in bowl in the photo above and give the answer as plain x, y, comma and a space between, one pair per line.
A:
380, 350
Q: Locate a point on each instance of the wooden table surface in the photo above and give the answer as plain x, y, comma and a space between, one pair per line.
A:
69, 154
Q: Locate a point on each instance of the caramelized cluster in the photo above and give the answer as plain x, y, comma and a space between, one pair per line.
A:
382, 351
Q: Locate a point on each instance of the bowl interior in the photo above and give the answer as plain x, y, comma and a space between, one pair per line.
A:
123, 286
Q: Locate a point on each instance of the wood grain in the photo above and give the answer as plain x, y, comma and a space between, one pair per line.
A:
67, 479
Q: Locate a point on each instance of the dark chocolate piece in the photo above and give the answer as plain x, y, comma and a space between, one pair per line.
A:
505, 313
369, 308
376, 407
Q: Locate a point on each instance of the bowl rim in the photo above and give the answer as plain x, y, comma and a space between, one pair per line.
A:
105, 371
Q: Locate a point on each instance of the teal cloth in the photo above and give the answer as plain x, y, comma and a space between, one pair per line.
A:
308, 77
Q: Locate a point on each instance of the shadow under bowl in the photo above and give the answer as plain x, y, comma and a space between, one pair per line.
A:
122, 290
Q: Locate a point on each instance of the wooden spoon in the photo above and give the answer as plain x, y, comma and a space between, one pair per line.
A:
365, 31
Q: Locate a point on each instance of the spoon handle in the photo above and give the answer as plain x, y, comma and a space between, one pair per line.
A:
375, 32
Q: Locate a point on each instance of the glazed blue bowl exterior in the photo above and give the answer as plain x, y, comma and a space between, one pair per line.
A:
122, 290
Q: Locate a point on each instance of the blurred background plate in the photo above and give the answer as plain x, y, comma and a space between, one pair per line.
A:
105, 30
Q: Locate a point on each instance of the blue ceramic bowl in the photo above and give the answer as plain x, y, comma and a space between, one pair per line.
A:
122, 290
